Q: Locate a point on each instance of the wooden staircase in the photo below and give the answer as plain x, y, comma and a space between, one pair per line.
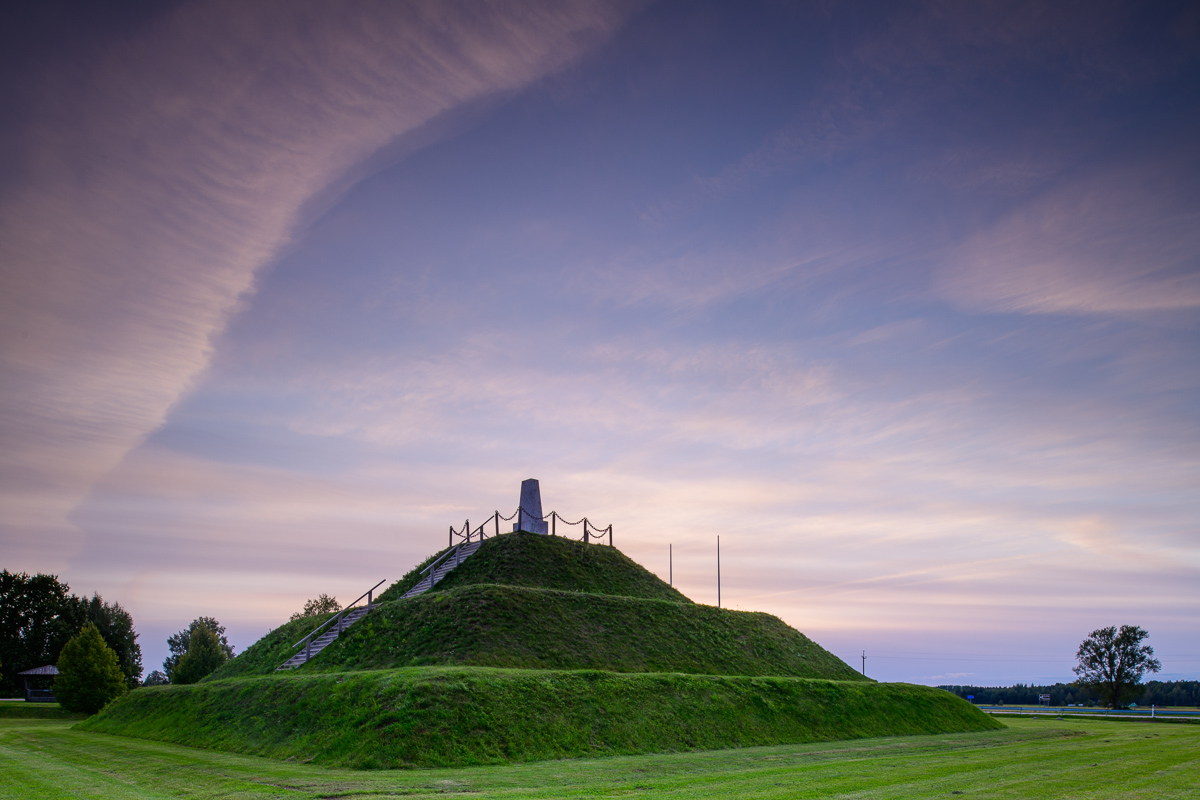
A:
443, 566
314, 643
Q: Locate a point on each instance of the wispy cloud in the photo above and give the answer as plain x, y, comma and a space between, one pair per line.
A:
165, 174
1125, 240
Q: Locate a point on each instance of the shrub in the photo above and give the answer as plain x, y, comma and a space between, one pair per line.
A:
89, 673
156, 678
178, 643
322, 604
204, 654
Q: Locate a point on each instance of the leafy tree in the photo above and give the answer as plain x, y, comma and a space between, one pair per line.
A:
37, 618
29, 635
156, 678
1112, 662
115, 626
178, 643
322, 604
89, 675
204, 654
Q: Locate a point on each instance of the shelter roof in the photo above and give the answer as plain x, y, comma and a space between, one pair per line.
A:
49, 669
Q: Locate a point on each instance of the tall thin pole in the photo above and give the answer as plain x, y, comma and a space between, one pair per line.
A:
718, 570
670, 565
864, 663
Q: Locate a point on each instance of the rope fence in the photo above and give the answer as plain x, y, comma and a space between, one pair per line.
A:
592, 533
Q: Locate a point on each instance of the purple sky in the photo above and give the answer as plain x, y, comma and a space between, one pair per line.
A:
900, 299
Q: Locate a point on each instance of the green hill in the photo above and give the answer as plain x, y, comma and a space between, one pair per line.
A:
517, 627
534, 647
437, 716
547, 562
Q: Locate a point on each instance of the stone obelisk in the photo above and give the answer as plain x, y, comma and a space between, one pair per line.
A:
529, 514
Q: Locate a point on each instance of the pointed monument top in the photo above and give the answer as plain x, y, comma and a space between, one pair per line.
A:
529, 514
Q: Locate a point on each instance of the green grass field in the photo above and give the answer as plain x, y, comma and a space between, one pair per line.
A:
46, 758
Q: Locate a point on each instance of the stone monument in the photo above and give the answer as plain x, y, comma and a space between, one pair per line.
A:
529, 513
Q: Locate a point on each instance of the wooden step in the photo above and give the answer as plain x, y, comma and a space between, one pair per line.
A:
443, 569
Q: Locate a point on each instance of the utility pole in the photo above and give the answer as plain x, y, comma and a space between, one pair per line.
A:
718, 570
864, 663
670, 566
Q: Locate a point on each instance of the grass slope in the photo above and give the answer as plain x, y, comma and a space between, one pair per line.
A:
461, 716
514, 627
548, 562
508, 626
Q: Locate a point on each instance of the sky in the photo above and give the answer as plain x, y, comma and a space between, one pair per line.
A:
900, 300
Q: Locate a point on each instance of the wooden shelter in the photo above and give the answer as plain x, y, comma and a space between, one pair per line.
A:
39, 695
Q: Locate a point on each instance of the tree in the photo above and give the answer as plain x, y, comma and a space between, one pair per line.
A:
29, 635
322, 604
178, 643
37, 618
156, 678
89, 675
1112, 662
115, 626
204, 654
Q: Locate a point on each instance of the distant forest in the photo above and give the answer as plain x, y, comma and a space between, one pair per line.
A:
1157, 693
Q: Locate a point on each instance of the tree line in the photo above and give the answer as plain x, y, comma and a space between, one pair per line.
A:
38, 616
1156, 693
94, 645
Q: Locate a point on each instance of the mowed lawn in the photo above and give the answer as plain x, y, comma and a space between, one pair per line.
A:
45, 758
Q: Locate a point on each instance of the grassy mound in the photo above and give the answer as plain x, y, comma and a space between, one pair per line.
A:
515, 627
457, 716
548, 562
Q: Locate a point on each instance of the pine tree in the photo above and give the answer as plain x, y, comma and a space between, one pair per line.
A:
89, 674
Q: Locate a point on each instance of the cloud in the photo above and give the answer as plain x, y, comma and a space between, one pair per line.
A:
160, 178
1122, 241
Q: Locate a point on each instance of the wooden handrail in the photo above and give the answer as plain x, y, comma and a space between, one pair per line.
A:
367, 594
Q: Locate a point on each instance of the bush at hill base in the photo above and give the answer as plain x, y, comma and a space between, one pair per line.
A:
89, 673
203, 656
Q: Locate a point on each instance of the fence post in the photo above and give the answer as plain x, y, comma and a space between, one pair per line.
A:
308, 648
370, 598
585, 530
450, 537
610, 535
553, 526
497, 523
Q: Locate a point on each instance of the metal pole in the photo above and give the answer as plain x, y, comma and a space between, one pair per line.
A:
450, 537
670, 565
497, 523
610, 535
553, 523
585, 534
718, 570
864, 663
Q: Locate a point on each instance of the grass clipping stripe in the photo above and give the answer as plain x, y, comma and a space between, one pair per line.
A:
464, 716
